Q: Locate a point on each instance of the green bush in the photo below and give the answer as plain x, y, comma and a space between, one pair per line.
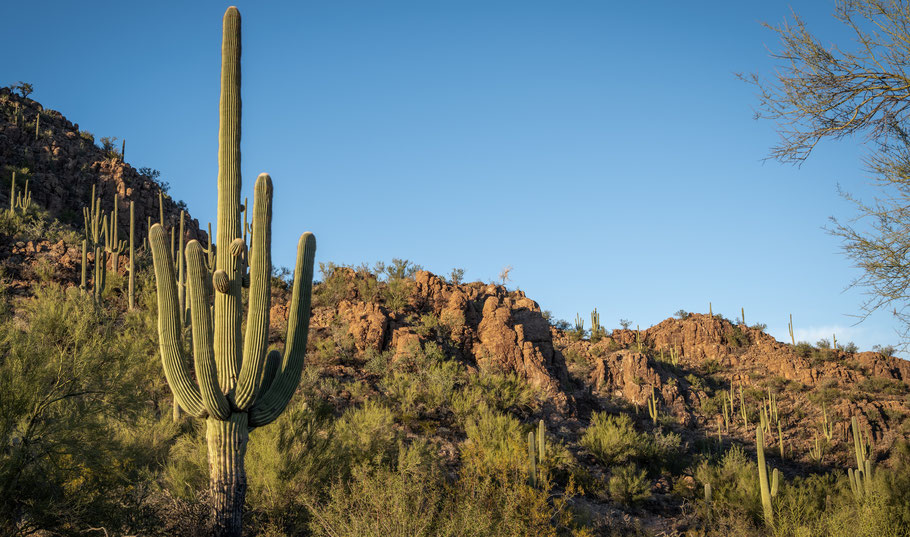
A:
613, 439
629, 485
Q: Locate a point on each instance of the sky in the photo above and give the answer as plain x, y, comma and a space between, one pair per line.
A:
606, 151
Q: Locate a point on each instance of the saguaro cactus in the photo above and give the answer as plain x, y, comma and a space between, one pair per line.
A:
238, 385
132, 281
763, 484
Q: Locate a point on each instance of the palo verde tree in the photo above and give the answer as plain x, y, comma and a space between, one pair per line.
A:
836, 92
238, 385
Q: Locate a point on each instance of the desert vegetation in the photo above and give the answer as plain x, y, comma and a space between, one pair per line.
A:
385, 400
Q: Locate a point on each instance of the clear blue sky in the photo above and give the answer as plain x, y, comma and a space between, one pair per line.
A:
605, 150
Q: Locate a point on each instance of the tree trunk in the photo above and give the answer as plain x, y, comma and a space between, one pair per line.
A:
227, 447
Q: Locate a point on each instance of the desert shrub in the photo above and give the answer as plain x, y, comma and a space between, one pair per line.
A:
75, 392
495, 444
290, 460
613, 439
502, 392
629, 485
735, 337
186, 473
803, 349
411, 496
880, 385
734, 483
365, 434
423, 379
400, 499
333, 288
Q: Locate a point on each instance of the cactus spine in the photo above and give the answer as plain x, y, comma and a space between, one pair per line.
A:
231, 390
763, 476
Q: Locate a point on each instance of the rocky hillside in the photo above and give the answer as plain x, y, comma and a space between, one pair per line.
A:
63, 163
691, 363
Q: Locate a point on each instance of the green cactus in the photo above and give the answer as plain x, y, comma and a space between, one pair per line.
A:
210, 251
132, 283
710, 310
116, 247
790, 327
12, 196
24, 198
652, 406
83, 284
541, 441
775, 479
595, 324
763, 477
708, 498
123, 151
536, 453
181, 274
827, 427
742, 407
780, 440
37, 125
743, 311
816, 453
579, 323
161, 207
861, 478
230, 389
726, 411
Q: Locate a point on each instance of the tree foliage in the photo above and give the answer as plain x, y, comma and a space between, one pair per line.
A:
821, 92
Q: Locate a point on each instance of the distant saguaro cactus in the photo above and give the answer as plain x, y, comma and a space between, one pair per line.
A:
236, 387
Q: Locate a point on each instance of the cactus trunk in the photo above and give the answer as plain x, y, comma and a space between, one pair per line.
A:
763, 483
227, 441
132, 285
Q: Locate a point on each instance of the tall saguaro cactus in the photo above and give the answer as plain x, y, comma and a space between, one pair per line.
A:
238, 386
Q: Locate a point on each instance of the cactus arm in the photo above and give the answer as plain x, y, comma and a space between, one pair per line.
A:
228, 306
255, 342
270, 404
272, 363
763, 484
200, 315
186, 392
763, 476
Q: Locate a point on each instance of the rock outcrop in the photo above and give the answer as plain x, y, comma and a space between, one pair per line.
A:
64, 163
